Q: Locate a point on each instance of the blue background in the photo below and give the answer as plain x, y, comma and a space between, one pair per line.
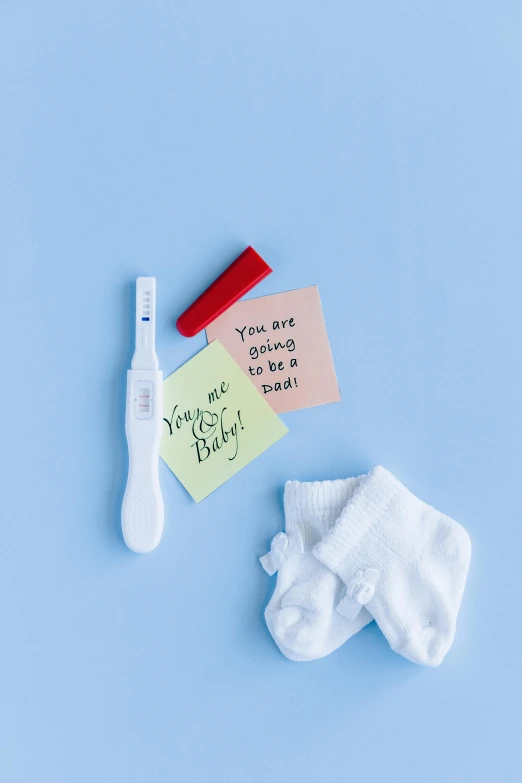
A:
373, 148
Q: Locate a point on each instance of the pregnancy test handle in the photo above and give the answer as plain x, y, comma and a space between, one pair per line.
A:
142, 511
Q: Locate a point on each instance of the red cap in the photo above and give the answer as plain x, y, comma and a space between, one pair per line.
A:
240, 277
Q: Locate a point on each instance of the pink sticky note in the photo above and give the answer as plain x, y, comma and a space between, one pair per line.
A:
280, 342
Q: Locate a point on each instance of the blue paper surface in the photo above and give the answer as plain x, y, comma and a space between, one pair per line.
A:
372, 149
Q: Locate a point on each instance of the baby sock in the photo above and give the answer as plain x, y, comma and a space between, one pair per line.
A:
301, 614
405, 562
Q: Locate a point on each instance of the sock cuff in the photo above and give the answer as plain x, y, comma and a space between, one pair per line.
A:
384, 526
373, 507
312, 507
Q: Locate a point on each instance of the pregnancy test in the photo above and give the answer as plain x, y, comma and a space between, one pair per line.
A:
237, 280
142, 509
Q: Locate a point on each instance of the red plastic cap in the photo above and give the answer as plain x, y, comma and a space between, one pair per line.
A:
238, 279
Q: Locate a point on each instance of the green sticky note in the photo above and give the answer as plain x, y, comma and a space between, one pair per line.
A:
215, 421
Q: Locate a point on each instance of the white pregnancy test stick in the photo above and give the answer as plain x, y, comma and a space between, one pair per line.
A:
142, 510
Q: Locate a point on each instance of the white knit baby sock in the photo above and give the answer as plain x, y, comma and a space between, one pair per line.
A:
405, 562
301, 614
